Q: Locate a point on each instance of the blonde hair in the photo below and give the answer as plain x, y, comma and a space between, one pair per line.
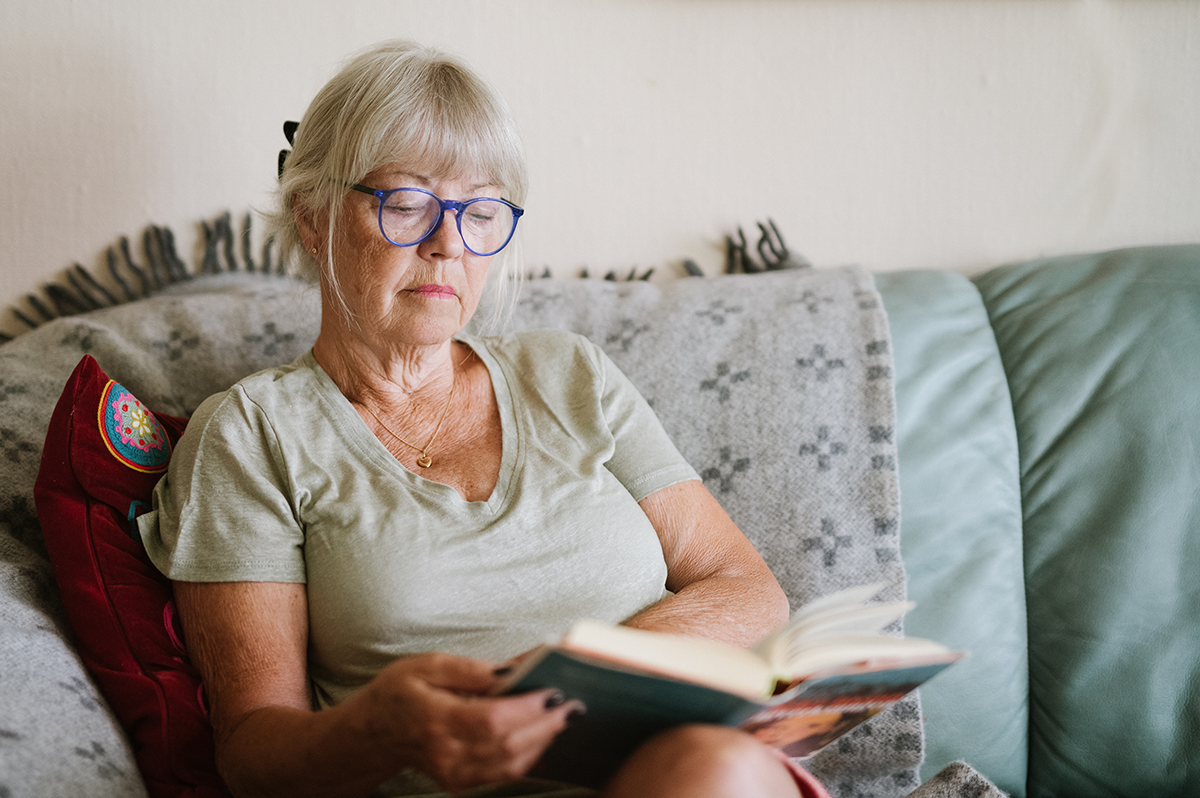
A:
396, 102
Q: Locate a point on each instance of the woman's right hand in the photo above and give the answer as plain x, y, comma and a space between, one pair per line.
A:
433, 713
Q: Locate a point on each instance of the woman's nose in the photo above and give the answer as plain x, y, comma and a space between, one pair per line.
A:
445, 241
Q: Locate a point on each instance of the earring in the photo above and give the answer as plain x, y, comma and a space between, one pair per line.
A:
313, 250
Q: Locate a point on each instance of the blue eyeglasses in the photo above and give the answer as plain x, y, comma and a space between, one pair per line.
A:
408, 216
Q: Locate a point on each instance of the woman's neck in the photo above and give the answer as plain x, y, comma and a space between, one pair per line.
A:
381, 375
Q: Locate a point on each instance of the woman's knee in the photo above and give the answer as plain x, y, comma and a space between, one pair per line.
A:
724, 761
710, 743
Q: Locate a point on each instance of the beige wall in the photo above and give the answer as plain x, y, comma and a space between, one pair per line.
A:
895, 133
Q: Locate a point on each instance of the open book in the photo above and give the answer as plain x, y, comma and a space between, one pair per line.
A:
825, 671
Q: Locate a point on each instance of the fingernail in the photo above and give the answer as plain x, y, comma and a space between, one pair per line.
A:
578, 710
556, 699
502, 671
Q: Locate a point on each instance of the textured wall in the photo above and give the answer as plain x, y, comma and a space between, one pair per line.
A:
895, 133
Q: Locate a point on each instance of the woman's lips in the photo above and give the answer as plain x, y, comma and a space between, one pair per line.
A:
434, 290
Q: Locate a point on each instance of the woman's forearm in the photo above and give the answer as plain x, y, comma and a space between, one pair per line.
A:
721, 586
282, 751
735, 609
248, 640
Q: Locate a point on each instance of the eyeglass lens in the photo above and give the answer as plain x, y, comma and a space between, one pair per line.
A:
408, 215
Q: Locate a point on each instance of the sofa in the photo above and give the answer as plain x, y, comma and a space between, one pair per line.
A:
1041, 440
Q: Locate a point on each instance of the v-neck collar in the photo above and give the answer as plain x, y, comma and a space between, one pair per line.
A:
358, 436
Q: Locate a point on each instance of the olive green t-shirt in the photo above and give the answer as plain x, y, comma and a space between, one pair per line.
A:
278, 479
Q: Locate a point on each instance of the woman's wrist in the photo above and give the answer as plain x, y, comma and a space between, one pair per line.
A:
289, 752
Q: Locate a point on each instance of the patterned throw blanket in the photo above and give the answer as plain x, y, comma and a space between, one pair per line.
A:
777, 387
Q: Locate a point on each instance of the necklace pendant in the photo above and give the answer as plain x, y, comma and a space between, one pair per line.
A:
424, 461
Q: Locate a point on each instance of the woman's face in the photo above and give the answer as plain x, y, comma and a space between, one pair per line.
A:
419, 295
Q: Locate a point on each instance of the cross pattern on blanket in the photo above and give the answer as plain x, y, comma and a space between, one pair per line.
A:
15, 447
717, 312
724, 380
828, 542
626, 333
821, 362
824, 448
721, 475
813, 303
176, 345
81, 338
18, 514
272, 340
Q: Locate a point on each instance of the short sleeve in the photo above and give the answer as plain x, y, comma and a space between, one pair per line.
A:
225, 510
644, 458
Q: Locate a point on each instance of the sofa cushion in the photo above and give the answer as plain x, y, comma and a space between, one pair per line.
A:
960, 520
104, 452
1101, 355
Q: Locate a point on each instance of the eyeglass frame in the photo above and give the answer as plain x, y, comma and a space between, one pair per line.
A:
458, 206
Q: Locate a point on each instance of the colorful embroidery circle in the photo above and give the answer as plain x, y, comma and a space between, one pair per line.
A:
131, 432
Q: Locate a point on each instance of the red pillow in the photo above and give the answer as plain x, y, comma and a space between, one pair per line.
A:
104, 453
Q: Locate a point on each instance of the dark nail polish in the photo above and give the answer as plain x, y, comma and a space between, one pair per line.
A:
502, 671
556, 699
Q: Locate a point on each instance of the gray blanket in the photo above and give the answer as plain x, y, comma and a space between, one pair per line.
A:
776, 387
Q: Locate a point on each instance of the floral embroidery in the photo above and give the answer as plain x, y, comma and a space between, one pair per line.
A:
131, 432
135, 423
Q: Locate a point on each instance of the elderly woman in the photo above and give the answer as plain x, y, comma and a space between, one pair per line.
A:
358, 538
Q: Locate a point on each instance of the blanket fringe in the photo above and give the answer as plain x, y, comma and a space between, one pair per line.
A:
161, 267
772, 252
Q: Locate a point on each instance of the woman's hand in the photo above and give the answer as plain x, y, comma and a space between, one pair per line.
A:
432, 711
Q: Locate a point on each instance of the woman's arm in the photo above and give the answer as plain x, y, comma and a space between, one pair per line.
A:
722, 587
249, 639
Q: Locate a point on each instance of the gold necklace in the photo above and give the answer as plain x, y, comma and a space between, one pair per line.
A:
424, 461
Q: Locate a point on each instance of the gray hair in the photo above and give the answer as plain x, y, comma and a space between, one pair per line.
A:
396, 102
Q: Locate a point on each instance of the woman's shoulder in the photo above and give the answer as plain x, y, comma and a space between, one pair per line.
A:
543, 350
270, 391
549, 342
295, 377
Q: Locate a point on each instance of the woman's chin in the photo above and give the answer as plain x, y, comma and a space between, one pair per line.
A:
428, 329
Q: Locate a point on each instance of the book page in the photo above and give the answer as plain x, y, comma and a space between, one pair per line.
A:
708, 662
845, 613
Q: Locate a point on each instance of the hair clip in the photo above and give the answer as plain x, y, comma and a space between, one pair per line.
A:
289, 132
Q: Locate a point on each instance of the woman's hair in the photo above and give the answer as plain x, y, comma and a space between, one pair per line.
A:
396, 102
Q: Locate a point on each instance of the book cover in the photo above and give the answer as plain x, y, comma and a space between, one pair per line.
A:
627, 706
813, 713
624, 709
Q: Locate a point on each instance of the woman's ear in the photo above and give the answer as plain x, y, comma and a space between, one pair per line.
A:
306, 223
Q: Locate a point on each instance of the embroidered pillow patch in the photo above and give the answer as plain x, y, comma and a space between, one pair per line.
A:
131, 432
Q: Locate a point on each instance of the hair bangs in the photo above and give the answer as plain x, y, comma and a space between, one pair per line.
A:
454, 128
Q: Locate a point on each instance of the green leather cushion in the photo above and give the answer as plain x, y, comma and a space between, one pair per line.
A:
1103, 359
960, 520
